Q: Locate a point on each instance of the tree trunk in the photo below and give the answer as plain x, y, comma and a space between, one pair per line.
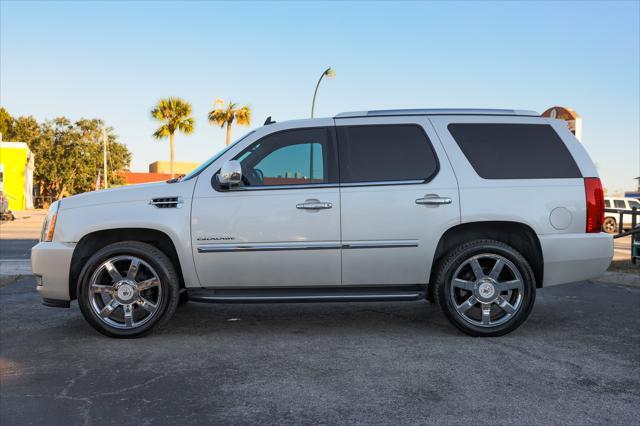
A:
171, 157
228, 133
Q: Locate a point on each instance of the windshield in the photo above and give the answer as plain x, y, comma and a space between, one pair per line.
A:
206, 164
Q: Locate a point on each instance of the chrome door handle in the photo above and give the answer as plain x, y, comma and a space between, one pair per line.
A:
314, 204
433, 200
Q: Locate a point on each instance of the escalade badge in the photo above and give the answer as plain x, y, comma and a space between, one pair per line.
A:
214, 238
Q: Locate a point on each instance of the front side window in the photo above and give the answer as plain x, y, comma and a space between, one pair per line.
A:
294, 157
380, 153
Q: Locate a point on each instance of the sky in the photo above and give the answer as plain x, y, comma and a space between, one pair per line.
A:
114, 60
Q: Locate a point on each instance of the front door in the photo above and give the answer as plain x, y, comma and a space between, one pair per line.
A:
281, 226
398, 196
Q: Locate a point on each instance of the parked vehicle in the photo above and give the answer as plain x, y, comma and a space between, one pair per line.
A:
473, 209
610, 224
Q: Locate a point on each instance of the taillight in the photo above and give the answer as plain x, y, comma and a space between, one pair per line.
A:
595, 204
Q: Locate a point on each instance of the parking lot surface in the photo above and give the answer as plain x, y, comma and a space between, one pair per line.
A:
576, 361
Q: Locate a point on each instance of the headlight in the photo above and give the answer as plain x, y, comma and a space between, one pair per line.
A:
49, 225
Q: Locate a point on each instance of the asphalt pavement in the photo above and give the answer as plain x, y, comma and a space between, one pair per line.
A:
576, 361
16, 249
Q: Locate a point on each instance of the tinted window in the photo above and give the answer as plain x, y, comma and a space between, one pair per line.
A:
385, 153
514, 151
633, 203
619, 204
294, 157
607, 203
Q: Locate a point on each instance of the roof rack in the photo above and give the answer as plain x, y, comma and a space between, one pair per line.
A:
443, 111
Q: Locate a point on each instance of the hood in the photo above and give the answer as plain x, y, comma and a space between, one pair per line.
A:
131, 193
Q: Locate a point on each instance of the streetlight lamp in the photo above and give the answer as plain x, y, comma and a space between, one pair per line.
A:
330, 73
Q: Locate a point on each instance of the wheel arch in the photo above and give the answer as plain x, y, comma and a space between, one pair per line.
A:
94, 241
518, 235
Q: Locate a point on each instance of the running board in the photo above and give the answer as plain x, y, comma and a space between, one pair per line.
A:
304, 295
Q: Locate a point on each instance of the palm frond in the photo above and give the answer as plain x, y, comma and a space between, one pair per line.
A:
222, 114
243, 116
175, 114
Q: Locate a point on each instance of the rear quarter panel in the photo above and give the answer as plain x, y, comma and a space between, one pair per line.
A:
528, 201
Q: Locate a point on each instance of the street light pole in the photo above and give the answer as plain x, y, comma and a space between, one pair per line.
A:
104, 156
330, 73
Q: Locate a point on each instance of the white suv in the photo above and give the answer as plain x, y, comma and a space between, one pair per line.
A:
473, 209
611, 224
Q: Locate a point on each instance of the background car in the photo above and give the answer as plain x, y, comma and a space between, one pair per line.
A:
610, 223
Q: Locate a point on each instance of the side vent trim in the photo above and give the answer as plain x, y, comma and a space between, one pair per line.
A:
167, 202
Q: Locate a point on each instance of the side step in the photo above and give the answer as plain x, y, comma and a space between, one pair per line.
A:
314, 294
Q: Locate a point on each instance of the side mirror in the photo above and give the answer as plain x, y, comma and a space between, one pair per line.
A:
230, 173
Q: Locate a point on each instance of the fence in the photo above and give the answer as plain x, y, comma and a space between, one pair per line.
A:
634, 231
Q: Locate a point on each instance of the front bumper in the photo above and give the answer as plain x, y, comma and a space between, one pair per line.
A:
51, 263
575, 257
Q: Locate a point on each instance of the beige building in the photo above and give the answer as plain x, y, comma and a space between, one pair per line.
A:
179, 167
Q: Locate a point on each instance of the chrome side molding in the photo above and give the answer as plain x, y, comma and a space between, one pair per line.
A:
324, 245
222, 248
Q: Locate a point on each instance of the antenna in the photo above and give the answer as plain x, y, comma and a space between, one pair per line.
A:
268, 121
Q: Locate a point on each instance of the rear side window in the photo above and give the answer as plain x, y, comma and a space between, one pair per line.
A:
385, 153
514, 151
619, 204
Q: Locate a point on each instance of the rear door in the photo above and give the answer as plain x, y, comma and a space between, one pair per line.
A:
398, 195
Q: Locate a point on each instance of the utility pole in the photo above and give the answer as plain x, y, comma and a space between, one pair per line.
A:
104, 159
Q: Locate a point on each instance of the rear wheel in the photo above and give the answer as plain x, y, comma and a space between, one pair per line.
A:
610, 225
128, 288
485, 288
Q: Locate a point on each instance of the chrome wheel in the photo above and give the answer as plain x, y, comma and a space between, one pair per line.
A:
487, 290
610, 225
125, 292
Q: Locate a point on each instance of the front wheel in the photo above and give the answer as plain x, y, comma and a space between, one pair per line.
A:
485, 288
128, 288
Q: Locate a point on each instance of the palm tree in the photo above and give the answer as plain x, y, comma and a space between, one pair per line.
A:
226, 116
175, 114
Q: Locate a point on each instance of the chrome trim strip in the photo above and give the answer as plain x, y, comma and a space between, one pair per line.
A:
379, 244
383, 183
266, 187
222, 248
331, 245
326, 185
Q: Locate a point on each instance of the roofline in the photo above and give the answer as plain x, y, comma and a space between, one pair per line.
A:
441, 111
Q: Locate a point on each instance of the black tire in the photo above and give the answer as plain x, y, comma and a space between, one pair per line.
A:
610, 225
445, 291
166, 274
